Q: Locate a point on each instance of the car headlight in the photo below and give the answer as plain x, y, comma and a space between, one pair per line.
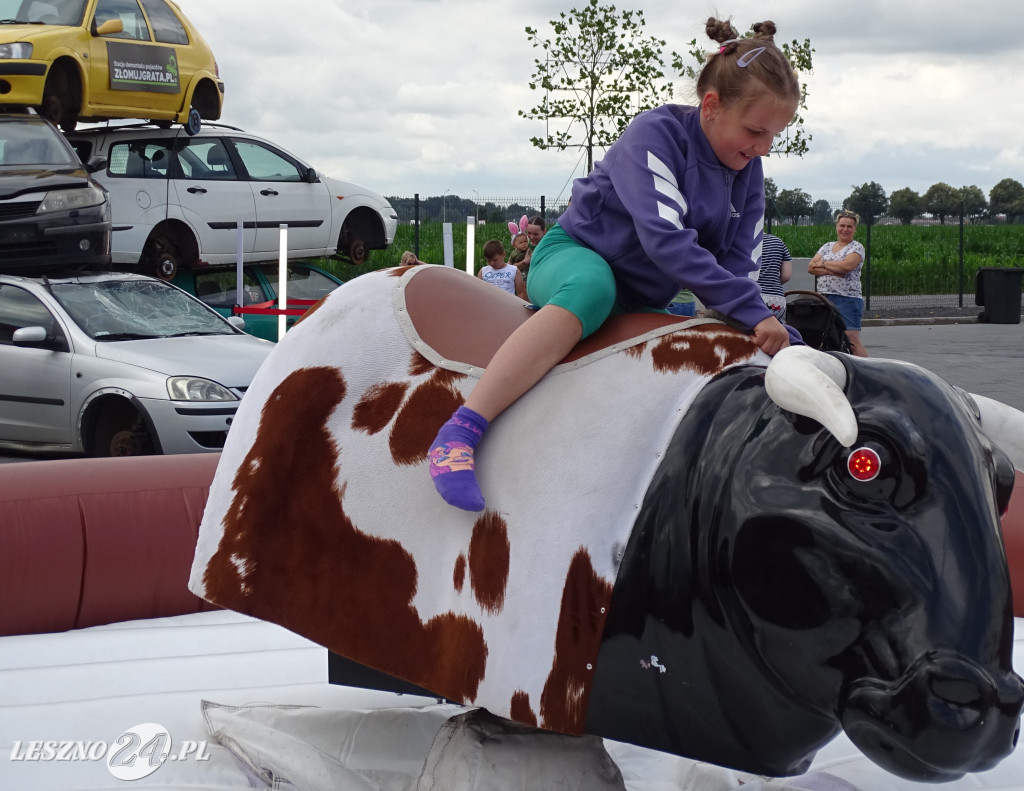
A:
18, 51
192, 388
66, 200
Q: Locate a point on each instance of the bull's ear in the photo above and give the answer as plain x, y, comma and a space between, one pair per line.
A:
810, 383
1004, 426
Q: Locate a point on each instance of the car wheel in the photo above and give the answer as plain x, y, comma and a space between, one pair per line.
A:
121, 432
357, 251
58, 105
194, 123
161, 257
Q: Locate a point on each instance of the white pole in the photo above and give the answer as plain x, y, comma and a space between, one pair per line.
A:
470, 243
239, 253
449, 249
282, 281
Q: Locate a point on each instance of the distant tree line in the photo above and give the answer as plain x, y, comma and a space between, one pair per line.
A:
455, 209
940, 202
1005, 203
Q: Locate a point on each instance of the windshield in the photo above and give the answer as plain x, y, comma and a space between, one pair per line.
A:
32, 143
135, 309
39, 12
302, 283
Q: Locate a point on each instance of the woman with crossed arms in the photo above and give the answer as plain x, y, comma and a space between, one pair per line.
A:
837, 266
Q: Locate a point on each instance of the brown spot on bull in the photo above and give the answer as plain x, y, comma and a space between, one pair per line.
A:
488, 561
459, 573
442, 376
419, 365
310, 310
426, 410
398, 271
636, 350
701, 350
520, 709
324, 581
378, 406
585, 599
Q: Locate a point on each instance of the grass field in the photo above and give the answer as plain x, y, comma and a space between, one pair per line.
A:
912, 259
902, 259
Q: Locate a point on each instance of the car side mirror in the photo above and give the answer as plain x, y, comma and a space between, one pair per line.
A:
237, 322
310, 176
95, 163
29, 336
108, 28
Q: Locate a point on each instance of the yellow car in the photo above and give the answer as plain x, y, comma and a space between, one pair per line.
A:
98, 59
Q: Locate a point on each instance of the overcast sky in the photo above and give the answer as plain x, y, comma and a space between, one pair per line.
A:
408, 96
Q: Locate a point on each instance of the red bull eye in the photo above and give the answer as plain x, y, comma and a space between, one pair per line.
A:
864, 464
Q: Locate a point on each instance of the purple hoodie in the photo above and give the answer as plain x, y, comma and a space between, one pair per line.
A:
666, 214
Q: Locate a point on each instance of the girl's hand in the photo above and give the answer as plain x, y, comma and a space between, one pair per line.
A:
771, 336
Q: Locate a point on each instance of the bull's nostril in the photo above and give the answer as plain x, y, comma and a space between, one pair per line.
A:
956, 690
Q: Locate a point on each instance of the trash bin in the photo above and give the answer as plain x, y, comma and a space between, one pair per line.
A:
997, 289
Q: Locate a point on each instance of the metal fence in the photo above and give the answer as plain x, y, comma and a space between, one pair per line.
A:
927, 264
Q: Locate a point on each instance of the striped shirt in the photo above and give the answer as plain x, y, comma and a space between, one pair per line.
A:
773, 253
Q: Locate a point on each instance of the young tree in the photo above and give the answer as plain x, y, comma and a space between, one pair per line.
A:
942, 201
905, 205
771, 198
598, 71
869, 201
1007, 197
821, 213
796, 140
974, 203
794, 204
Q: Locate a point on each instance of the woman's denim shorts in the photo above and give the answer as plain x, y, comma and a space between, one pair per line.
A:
850, 308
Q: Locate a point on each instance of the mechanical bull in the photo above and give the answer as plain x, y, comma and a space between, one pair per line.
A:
687, 546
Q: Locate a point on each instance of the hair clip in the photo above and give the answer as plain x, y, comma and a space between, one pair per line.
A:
749, 57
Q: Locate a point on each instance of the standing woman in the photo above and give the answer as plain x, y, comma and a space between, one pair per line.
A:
837, 266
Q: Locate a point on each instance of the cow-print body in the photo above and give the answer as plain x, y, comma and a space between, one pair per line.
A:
322, 516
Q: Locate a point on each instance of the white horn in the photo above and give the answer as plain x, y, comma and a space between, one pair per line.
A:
810, 383
1004, 425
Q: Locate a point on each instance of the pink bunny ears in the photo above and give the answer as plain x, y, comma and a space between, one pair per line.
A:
515, 230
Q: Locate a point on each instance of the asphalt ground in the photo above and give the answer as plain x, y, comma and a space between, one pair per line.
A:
987, 359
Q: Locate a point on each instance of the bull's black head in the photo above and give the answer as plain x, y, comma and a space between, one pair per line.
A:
876, 581
788, 596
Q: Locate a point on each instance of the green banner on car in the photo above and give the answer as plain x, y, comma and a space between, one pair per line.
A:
142, 67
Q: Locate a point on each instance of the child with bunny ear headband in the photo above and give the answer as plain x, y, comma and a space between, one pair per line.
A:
515, 230
676, 203
520, 240
520, 244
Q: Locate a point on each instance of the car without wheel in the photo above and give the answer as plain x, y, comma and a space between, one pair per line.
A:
177, 200
111, 364
98, 59
53, 214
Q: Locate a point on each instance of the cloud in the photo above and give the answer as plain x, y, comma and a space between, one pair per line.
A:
423, 96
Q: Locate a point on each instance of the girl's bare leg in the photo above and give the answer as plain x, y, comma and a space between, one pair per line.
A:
530, 352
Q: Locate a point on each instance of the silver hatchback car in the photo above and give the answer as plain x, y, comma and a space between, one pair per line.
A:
117, 365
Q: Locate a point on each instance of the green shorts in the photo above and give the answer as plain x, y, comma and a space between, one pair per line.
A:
565, 273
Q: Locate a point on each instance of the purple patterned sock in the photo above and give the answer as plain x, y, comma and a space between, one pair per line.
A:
451, 460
